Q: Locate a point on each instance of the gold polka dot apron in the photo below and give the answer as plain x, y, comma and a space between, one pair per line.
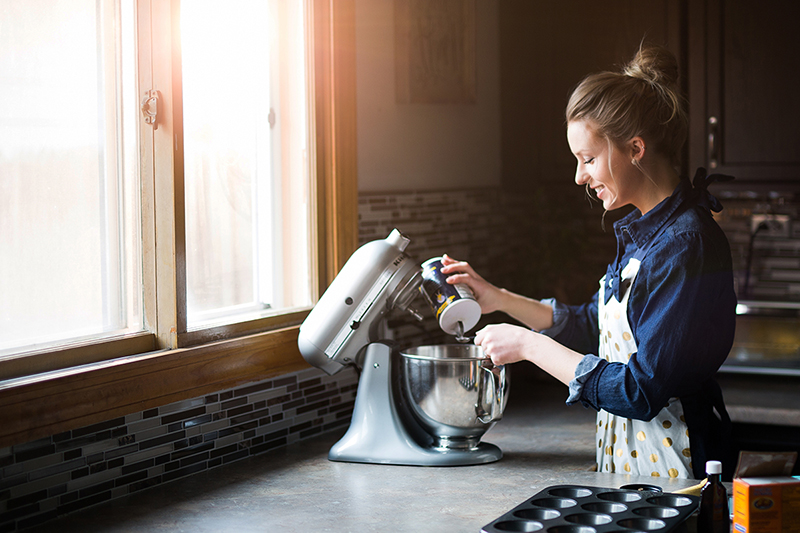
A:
624, 445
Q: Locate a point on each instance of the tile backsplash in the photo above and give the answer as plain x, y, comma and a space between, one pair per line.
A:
79, 468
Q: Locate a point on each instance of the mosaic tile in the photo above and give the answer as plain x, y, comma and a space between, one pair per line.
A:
148, 434
181, 406
103, 476
170, 437
32, 445
133, 417
143, 424
245, 391
56, 469
102, 443
97, 428
28, 466
183, 415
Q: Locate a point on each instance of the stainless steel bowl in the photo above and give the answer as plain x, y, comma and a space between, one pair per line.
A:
454, 392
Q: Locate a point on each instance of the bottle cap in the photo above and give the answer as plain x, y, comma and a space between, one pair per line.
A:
713, 467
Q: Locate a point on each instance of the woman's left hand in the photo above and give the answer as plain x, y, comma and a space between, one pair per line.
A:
506, 343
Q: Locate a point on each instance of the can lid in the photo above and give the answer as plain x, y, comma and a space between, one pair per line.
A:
713, 467
431, 260
465, 310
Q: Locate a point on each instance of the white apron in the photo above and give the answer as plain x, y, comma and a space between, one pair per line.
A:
656, 448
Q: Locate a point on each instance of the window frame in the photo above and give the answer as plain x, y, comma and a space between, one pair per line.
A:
107, 379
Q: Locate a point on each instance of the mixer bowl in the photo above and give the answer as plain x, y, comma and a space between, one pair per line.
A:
454, 392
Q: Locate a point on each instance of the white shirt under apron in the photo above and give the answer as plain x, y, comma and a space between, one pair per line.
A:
624, 445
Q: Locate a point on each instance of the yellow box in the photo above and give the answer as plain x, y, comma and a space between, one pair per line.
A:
766, 504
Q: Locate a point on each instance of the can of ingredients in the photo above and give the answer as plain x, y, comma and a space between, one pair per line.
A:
450, 303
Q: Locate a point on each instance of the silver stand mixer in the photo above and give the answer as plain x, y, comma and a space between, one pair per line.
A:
425, 406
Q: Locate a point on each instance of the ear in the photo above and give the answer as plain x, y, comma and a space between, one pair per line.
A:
637, 148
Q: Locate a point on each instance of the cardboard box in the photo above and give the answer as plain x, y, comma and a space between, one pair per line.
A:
766, 499
766, 504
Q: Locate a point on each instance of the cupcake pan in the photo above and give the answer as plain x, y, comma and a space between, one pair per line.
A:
581, 509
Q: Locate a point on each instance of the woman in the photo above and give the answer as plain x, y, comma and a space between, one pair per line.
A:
644, 351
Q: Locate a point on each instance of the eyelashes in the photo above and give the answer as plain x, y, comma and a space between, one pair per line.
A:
589, 161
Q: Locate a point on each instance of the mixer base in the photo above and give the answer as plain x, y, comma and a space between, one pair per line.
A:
379, 433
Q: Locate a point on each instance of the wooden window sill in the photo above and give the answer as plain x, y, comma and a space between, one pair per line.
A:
50, 403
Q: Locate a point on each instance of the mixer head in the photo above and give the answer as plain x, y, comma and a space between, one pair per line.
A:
378, 278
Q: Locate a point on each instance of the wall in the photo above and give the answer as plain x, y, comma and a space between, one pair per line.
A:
424, 146
546, 49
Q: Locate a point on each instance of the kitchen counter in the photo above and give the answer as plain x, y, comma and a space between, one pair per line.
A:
298, 489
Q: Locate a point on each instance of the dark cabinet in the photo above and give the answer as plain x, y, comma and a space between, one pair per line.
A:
744, 87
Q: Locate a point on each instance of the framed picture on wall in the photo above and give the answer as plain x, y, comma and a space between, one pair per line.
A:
435, 51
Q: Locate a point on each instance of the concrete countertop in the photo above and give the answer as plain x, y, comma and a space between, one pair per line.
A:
298, 489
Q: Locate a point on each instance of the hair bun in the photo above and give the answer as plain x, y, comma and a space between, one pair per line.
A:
654, 64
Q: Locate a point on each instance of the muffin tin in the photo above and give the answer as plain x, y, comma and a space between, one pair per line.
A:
581, 509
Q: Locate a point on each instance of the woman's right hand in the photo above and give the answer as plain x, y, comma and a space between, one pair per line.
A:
487, 295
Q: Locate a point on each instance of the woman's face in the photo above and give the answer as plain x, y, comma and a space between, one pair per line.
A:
597, 160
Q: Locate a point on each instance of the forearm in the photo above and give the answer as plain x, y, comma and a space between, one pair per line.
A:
555, 359
532, 313
506, 343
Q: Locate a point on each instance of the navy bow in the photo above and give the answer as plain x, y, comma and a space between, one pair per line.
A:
700, 183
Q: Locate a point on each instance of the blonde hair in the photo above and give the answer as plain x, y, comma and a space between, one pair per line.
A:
643, 100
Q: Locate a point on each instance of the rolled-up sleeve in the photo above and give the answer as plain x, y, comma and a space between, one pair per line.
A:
589, 365
560, 317
574, 326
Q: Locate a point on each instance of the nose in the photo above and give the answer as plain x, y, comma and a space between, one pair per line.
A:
581, 176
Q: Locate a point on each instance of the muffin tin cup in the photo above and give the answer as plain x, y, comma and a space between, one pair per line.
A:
582, 509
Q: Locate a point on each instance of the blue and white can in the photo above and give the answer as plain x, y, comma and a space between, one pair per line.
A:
450, 303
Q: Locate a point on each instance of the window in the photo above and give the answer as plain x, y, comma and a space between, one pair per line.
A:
245, 159
129, 235
69, 192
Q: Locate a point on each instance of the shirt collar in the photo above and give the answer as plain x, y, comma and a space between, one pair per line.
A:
642, 227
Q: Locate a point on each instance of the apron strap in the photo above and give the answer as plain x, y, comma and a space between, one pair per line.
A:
709, 435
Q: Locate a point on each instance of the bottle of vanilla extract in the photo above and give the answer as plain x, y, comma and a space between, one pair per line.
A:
714, 514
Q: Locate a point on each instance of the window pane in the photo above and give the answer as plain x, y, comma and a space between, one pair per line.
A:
246, 173
69, 190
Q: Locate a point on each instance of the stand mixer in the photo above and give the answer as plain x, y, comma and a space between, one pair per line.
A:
426, 406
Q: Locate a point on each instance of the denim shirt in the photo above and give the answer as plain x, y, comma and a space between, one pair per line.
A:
681, 311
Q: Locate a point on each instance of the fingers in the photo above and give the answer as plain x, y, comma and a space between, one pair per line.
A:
460, 277
458, 271
479, 336
447, 260
482, 339
502, 343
